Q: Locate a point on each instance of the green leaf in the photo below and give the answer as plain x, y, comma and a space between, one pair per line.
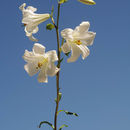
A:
87, 2
50, 26
60, 95
61, 60
46, 122
62, 1
67, 112
63, 126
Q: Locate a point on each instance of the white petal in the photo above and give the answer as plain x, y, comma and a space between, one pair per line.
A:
66, 47
83, 27
32, 38
75, 53
87, 38
28, 56
31, 68
67, 33
31, 29
31, 8
42, 77
52, 55
33, 18
29, 34
85, 51
22, 6
52, 69
90, 39
38, 49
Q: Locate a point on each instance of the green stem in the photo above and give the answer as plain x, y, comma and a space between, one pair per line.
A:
58, 65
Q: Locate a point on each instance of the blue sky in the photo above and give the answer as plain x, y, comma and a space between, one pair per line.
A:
98, 88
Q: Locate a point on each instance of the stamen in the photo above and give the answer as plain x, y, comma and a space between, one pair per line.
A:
40, 64
23, 25
78, 42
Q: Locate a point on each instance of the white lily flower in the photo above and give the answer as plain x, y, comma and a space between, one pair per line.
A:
39, 61
31, 20
77, 41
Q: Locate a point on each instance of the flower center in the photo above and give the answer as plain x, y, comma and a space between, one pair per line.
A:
43, 62
78, 42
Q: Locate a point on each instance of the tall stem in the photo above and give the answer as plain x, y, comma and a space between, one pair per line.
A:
58, 65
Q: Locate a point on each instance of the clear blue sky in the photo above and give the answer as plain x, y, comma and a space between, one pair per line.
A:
98, 88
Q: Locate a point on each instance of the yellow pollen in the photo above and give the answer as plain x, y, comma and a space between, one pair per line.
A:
78, 42
40, 64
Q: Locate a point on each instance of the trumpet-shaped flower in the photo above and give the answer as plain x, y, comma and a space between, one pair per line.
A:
77, 41
39, 61
31, 20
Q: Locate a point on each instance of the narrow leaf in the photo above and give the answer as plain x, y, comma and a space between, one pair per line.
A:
60, 95
63, 126
61, 60
67, 112
46, 122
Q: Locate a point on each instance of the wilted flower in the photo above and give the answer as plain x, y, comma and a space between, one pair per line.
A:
77, 41
39, 61
31, 20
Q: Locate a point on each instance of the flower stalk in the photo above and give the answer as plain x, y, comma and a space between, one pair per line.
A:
58, 65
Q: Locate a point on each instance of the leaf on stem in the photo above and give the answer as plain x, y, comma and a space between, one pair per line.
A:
61, 60
67, 112
45, 122
63, 126
50, 26
60, 95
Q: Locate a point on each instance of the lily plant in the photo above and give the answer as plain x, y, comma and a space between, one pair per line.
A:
38, 61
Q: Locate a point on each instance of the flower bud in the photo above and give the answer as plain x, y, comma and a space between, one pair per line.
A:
88, 2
